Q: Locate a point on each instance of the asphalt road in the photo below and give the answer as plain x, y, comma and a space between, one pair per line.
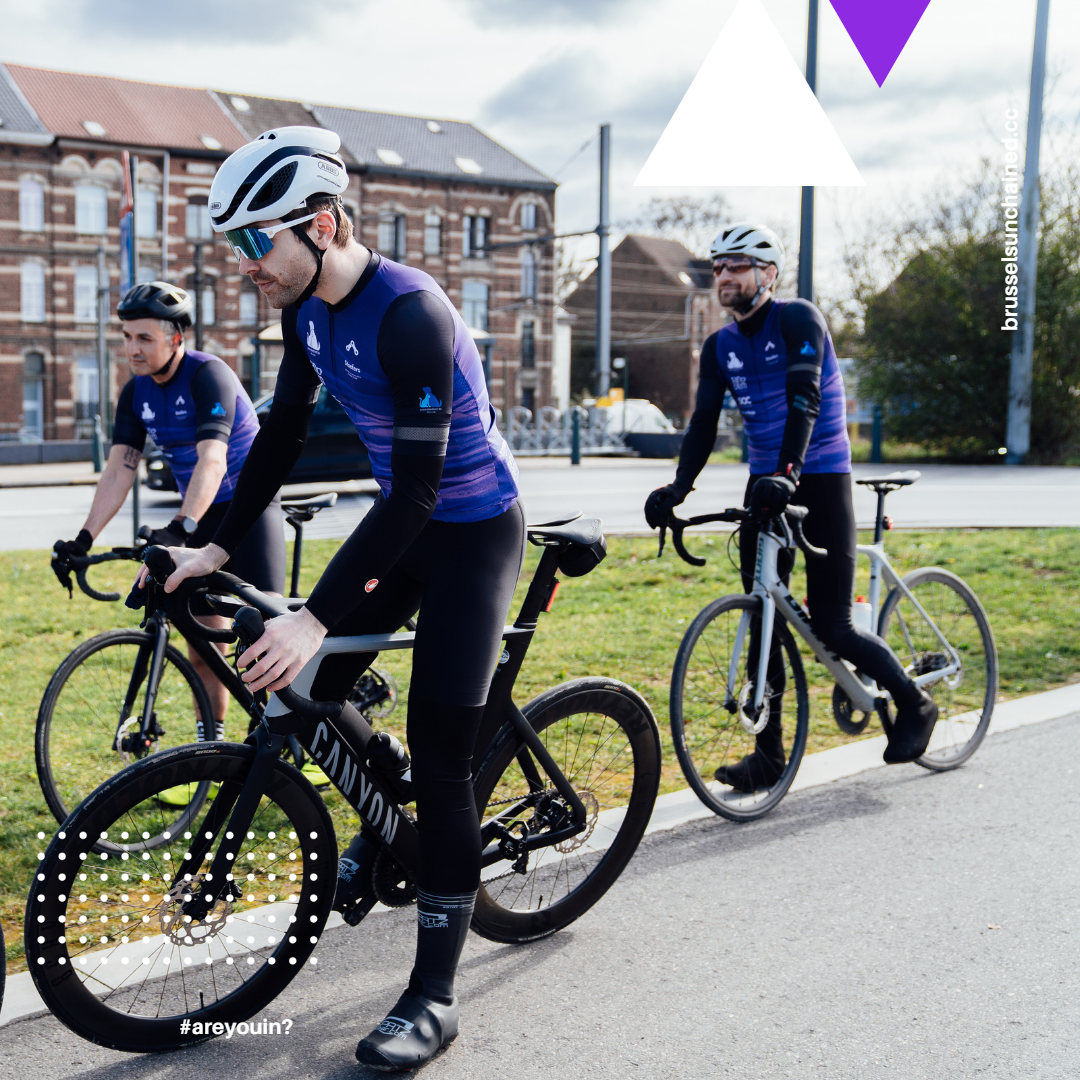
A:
614, 491
900, 923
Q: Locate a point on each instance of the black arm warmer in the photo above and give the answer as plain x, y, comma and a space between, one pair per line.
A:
700, 436
415, 347
267, 466
804, 331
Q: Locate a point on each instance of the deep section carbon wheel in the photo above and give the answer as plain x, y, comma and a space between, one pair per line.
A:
713, 724
965, 697
111, 947
90, 717
604, 739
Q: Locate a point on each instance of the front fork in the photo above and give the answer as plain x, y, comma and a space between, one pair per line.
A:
149, 664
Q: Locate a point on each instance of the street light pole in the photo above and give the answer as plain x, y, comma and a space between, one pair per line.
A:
198, 277
806, 224
603, 271
1018, 430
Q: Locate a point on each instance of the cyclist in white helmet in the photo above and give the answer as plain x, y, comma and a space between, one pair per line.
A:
446, 534
776, 359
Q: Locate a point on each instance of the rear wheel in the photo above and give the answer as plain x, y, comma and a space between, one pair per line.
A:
965, 697
713, 724
90, 717
604, 739
107, 940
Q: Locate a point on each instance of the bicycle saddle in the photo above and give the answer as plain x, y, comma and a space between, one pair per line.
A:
892, 482
577, 530
309, 506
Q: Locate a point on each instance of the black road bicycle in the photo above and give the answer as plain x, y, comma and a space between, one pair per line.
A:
125, 694
144, 932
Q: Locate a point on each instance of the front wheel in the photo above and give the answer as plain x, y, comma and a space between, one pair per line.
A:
965, 697
713, 724
603, 736
112, 950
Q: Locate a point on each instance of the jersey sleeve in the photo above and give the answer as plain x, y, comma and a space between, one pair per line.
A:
214, 395
128, 429
804, 332
415, 348
297, 383
700, 435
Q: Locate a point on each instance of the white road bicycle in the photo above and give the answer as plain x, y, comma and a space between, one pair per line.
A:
725, 688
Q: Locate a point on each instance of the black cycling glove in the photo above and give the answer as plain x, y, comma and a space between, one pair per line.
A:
662, 501
80, 546
172, 535
770, 496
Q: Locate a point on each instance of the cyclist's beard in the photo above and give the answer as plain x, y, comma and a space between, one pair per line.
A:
737, 297
289, 284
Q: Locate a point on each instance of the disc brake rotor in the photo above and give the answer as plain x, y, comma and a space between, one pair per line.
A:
178, 927
592, 812
750, 724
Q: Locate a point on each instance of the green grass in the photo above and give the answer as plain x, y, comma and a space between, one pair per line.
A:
624, 620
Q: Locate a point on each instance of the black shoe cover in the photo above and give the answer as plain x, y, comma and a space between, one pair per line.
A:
753, 772
414, 1031
912, 728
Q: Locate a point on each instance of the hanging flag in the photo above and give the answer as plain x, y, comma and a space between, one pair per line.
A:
880, 30
127, 230
790, 144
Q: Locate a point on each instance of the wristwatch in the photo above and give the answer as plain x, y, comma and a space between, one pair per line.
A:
188, 524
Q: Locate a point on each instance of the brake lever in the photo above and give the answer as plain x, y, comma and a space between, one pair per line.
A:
663, 537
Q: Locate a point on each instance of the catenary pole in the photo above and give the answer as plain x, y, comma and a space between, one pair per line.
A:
806, 224
1018, 430
603, 270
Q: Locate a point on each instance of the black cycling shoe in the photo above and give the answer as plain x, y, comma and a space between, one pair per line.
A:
753, 772
912, 728
414, 1031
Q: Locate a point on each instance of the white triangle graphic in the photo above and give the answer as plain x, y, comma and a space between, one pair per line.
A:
749, 119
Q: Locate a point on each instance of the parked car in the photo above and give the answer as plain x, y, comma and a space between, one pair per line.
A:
643, 427
333, 450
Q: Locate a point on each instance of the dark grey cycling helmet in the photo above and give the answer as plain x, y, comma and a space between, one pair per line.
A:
156, 300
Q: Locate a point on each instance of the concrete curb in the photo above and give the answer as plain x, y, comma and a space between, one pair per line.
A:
21, 998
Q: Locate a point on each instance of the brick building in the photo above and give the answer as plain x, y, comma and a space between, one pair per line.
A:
440, 195
663, 306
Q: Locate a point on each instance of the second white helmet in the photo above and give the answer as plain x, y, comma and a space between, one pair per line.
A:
747, 238
276, 174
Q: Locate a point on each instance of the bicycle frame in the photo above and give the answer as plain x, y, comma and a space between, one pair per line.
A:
772, 591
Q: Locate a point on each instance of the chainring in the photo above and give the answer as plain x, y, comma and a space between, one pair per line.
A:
391, 881
845, 713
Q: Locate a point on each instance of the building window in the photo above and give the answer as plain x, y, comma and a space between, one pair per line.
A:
474, 236
197, 221
249, 308
33, 396
474, 304
528, 274
91, 209
145, 273
86, 293
31, 206
208, 305
432, 233
86, 389
32, 292
528, 344
392, 236
146, 213
528, 216
528, 398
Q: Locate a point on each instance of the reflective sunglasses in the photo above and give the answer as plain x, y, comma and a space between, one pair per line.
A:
257, 243
733, 266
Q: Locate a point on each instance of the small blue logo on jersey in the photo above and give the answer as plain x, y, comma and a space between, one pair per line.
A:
218, 409
351, 347
312, 341
807, 349
769, 345
734, 363
429, 400
147, 412
180, 400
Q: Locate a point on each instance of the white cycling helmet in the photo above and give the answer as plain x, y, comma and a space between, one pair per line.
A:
747, 238
276, 174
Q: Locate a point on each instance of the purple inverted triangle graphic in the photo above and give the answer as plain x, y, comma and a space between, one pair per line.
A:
880, 29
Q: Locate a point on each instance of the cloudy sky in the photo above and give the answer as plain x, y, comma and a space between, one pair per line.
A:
540, 75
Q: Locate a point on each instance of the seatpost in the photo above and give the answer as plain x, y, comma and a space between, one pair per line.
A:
539, 593
298, 546
879, 524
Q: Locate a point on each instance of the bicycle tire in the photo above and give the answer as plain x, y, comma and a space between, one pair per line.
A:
82, 768
708, 734
71, 972
603, 736
958, 733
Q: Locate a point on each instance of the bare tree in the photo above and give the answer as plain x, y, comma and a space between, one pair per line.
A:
691, 220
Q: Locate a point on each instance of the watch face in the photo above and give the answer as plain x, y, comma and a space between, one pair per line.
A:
190, 525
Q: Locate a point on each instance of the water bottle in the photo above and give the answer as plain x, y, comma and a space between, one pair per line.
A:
386, 754
862, 615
